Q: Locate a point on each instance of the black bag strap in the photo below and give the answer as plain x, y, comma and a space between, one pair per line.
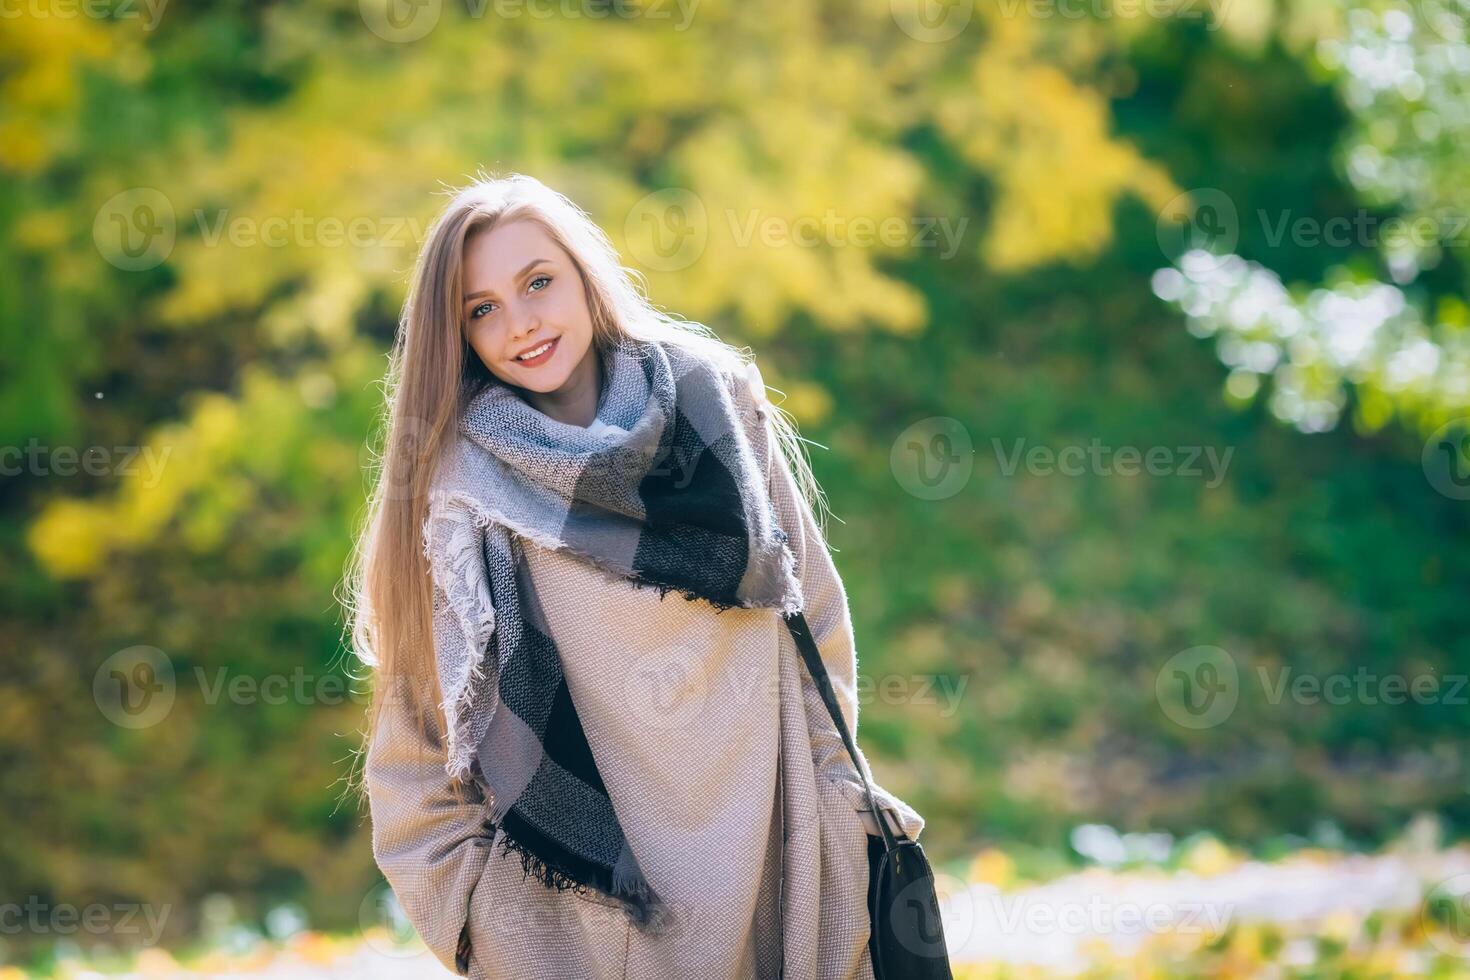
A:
812, 657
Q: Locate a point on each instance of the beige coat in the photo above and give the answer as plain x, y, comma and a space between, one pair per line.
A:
725, 770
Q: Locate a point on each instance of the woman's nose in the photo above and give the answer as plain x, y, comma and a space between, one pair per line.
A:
525, 321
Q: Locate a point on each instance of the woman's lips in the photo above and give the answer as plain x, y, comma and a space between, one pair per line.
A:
541, 358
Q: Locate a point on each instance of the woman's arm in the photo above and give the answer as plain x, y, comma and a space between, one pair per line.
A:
431, 847
828, 616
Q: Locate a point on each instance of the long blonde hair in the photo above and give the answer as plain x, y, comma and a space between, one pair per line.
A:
432, 373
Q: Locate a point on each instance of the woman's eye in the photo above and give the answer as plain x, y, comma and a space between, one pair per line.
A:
485, 308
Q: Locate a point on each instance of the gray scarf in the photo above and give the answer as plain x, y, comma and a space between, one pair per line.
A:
662, 490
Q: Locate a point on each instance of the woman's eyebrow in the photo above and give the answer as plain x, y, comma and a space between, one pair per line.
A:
524, 269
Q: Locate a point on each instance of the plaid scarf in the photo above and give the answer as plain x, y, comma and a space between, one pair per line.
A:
663, 489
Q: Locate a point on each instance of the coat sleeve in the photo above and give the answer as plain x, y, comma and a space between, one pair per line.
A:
431, 847
828, 616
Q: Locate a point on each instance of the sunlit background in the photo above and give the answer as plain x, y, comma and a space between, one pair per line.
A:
1131, 338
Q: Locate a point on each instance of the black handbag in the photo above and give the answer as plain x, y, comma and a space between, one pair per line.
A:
906, 938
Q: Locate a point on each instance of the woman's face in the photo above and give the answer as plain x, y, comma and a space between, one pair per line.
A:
521, 291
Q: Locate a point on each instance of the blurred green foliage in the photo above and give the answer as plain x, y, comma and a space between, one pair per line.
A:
169, 281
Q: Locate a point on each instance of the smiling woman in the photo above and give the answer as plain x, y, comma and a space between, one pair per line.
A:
512, 317
665, 768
